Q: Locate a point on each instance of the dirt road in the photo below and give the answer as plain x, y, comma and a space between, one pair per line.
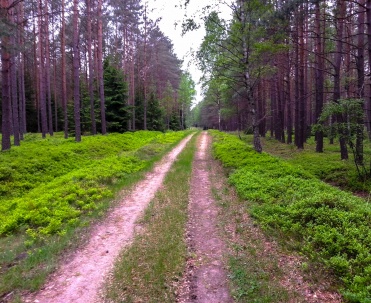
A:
206, 277
80, 279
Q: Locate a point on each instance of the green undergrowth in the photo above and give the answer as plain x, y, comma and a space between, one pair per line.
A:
254, 271
327, 166
72, 185
326, 224
149, 270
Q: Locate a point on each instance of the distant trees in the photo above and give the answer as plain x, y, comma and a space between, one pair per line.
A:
54, 77
281, 62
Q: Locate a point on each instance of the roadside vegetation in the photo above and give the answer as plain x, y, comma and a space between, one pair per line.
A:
253, 266
328, 225
150, 269
326, 166
51, 189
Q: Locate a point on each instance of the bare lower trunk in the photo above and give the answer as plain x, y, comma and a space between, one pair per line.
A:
91, 69
76, 72
341, 8
100, 68
5, 83
64, 79
42, 92
14, 95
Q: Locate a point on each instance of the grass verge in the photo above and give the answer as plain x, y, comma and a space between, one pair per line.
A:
149, 270
326, 224
253, 265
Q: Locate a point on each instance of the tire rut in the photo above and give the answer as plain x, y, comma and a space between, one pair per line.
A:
206, 278
80, 279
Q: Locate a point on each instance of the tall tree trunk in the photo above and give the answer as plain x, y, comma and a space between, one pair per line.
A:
76, 71
288, 99
5, 83
13, 82
91, 69
299, 82
64, 78
341, 9
360, 64
47, 69
21, 78
319, 81
247, 81
145, 70
100, 67
14, 95
42, 102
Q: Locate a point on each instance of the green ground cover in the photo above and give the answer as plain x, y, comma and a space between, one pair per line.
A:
325, 223
51, 188
327, 166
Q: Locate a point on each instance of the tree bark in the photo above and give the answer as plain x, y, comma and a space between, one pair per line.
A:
76, 71
319, 81
64, 78
91, 68
5, 83
360, 64
47, 69
42, 102
100, 67
341, 9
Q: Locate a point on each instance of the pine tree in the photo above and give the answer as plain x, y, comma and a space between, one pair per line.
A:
115, 92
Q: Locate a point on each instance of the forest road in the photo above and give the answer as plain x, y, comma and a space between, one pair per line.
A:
79, 280
206, 277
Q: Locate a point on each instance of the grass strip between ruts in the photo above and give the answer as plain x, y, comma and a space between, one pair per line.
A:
149, 270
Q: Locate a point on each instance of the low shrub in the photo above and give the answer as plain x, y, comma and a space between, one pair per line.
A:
61, 180
328, 224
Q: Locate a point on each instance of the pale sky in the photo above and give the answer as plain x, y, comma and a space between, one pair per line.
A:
171, 13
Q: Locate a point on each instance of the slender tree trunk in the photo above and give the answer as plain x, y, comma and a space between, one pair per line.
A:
248, 86
319, 81
76, 71
64, 78
5, 83
91, 69
368, 103
47, 69
42, 91
341, 8
360, 64
100, 67
21, 78
288, 99
145, 71
14, 95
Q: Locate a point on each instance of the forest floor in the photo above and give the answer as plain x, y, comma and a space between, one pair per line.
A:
212, 235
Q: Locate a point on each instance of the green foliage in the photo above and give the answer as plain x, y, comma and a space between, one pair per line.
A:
327, 224
48, 184
155, 114
115, 93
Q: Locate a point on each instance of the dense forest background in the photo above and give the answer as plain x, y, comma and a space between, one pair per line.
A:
89, 66
289, 68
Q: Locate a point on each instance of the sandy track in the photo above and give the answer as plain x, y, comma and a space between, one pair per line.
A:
79, 280
206, 278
